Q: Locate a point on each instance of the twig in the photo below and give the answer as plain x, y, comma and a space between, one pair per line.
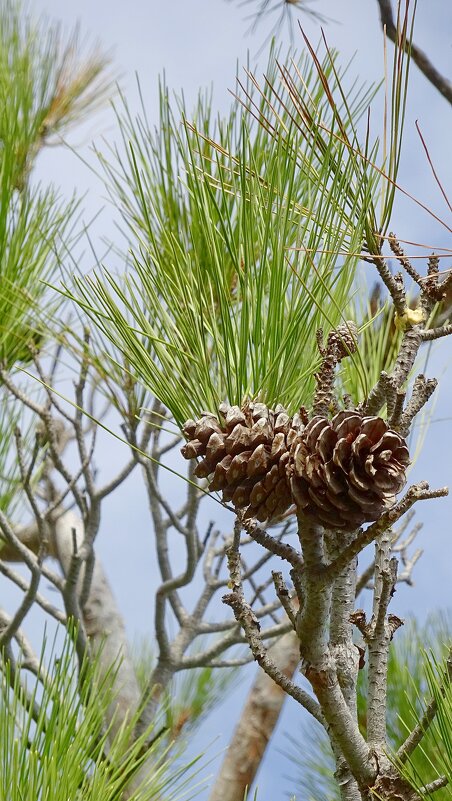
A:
394, 284
363, 580
417, 492
115, 482
258, 595
168, 446
419, 57
436, 333
397, 410
17, 579
284, 596
27, 699
278, 548
423, 389
341, 342
173, 520
71, 595
161, 538
231, 663
435, 785
406, 357
398, 547
403, 259
34, 565
402, 527
382, 393
245, 616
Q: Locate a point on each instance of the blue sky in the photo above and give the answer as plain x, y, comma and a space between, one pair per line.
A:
197, 44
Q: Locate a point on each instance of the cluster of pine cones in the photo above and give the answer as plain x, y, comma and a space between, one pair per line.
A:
345, 471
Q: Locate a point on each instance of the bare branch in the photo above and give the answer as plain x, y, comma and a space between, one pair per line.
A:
381, 393
423, 389
164, 566
419, 57
394, 284
282, 549
234, 637
436, 333
27, 699
245, 616
397, 409
101, 621
24, 585
115, 482
435, 785
258, 719
378, 637
403, 260
417, 492
231, 663
406, 357
34, 565
398, 546
284, 596
28, 658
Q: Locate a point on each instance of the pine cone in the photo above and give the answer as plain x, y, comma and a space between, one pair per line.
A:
348, 470
246, 453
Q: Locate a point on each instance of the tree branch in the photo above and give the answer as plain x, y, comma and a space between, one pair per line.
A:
34, 565
19, 581
245, 616
258, 719
102, 624
417, 492
419, 57
317, 662
378, 638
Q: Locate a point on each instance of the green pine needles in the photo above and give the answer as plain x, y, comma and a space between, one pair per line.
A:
45, 87
245, 234
54, 744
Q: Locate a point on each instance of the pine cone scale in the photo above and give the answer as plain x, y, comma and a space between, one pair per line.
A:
246, 453
346, 470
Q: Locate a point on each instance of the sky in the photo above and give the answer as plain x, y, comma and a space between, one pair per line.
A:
199, 44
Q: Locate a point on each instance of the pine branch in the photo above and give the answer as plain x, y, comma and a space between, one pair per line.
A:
419, 57
318, 664
248, 621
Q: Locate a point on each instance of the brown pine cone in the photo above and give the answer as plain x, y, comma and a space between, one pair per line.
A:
246, 453
348, 470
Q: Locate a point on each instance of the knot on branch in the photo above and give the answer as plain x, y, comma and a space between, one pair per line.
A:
390, 786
